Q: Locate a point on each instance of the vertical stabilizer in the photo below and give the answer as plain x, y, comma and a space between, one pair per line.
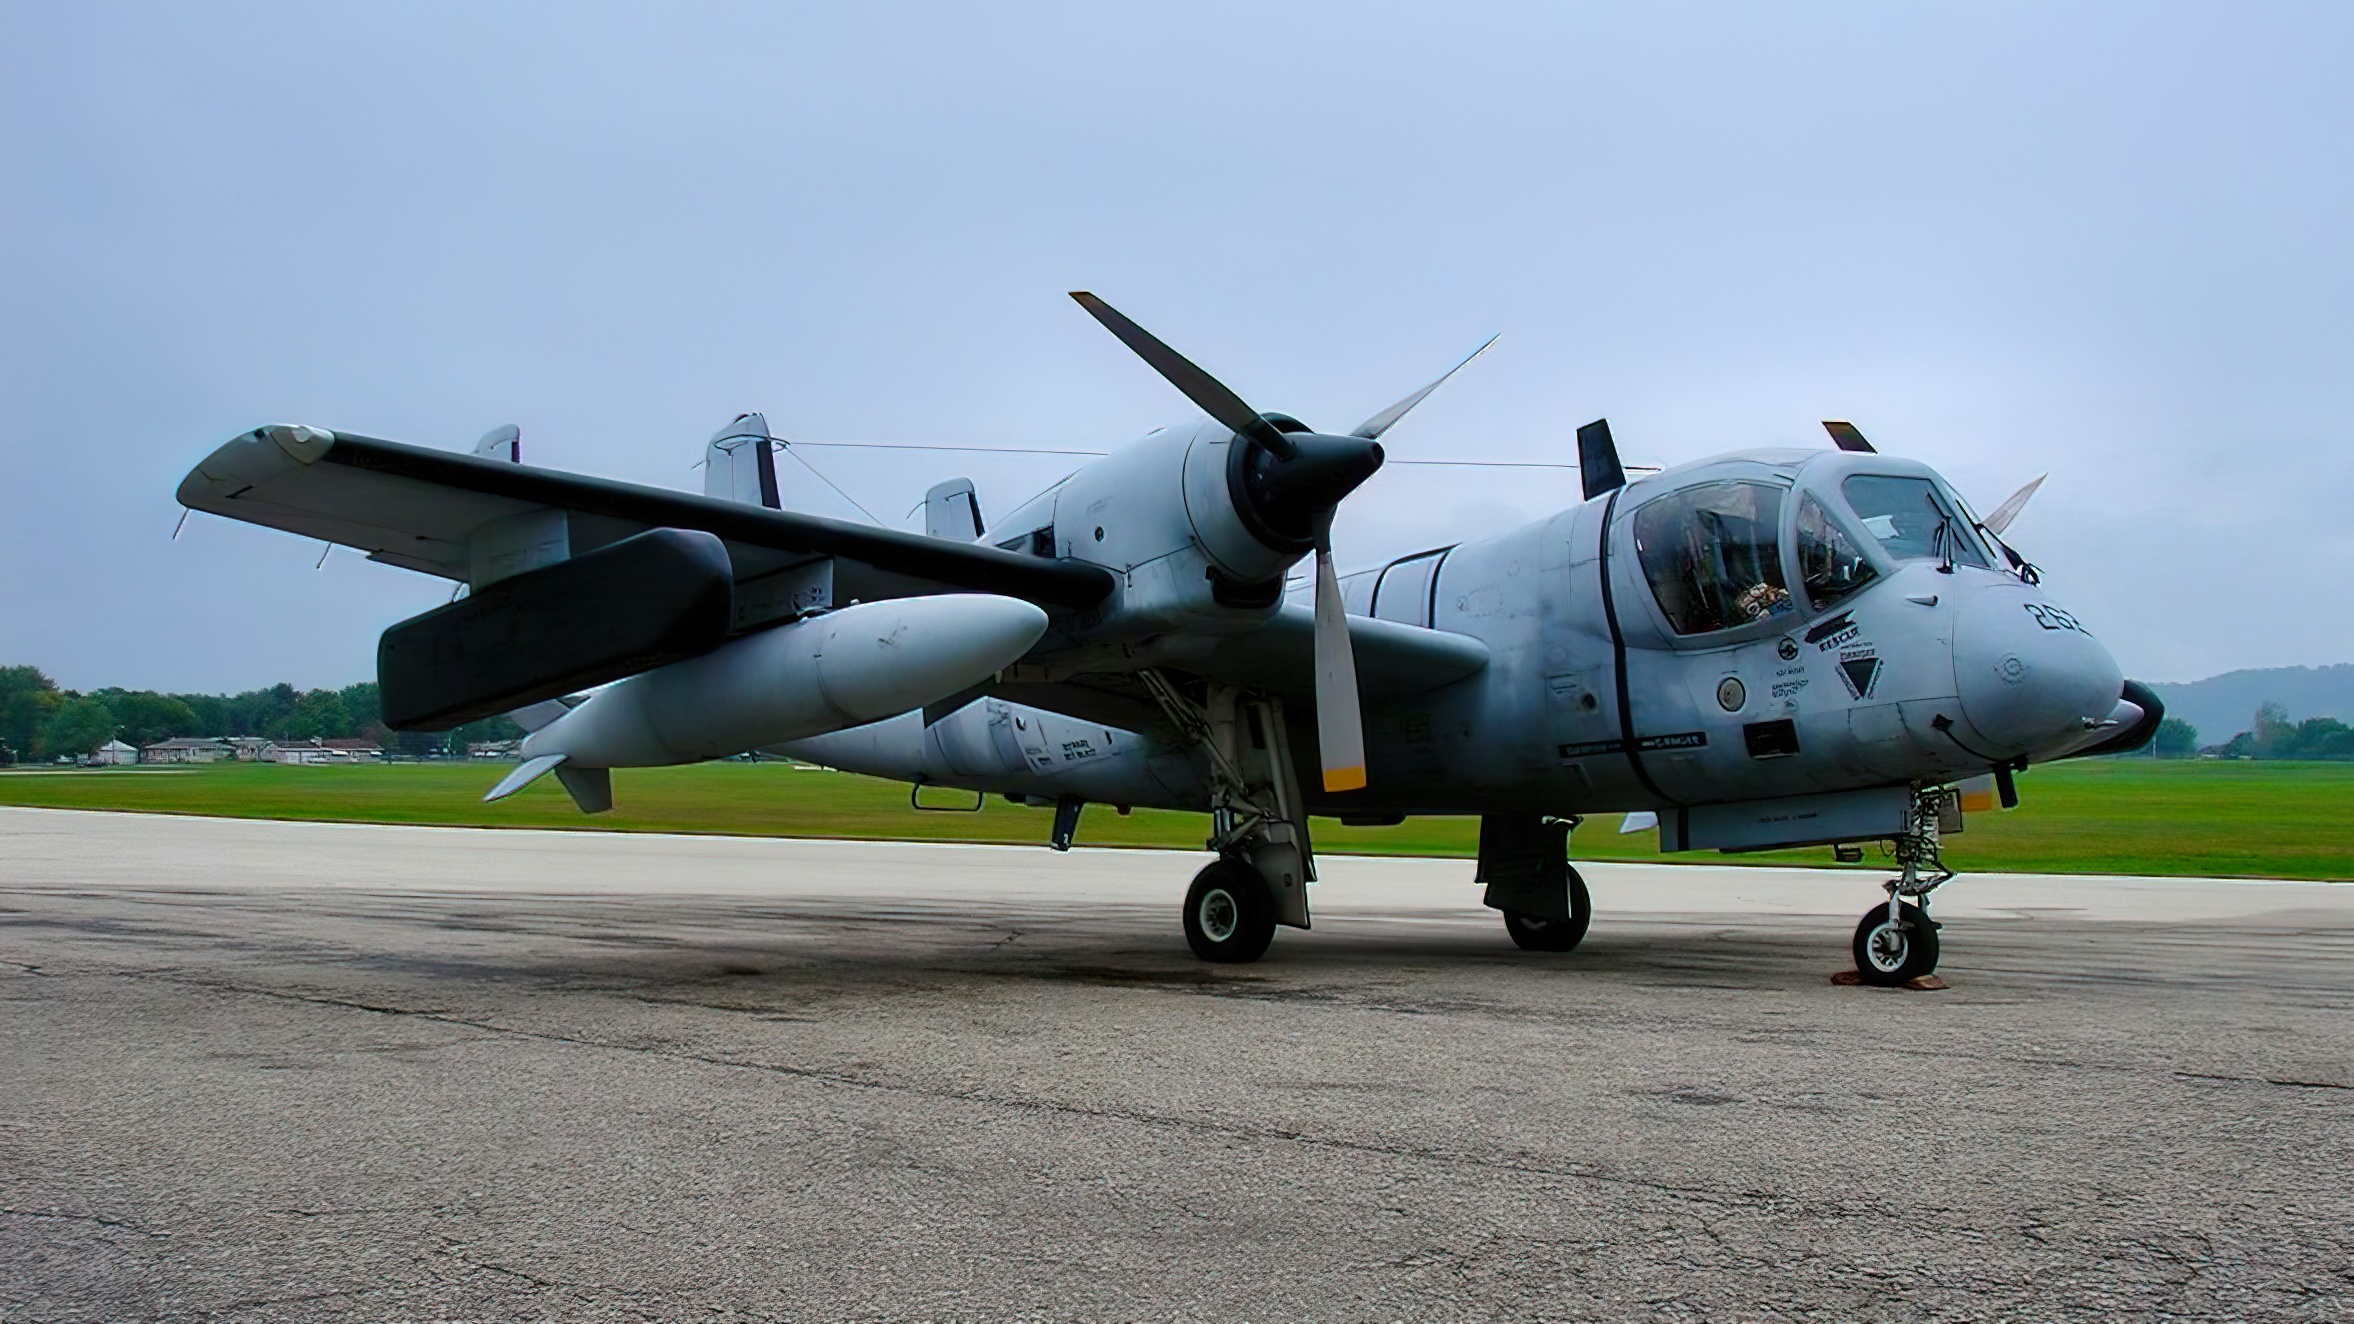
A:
740, 464
504, 442
951, 511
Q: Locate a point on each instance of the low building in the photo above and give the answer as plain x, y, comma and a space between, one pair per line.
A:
112, 754
187, 749
494, 749
323, 751
248, 749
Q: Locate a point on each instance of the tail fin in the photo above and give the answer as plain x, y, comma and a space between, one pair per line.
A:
952, 511
740, 464
504, 442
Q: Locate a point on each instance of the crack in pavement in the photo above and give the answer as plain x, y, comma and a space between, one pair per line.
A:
98, 1219
2263, 1080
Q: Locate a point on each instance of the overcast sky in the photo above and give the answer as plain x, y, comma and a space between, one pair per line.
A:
2107, 242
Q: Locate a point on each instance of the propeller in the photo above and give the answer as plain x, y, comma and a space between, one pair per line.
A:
1340, 726
2009, 509
1849, 438
1387, 418
1288, 483
1207, 393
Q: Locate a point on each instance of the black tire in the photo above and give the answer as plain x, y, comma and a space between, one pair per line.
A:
1889, 956
1531, 934
1228, 917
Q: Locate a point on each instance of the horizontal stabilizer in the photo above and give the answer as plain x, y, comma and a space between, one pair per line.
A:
525, 773
1642, 822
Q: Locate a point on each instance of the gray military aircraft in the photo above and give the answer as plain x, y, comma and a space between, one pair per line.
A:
1769, 648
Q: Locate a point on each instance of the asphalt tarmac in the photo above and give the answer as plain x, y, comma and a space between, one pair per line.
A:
260, 1071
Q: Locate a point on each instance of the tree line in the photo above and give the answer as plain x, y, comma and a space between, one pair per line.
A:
2271, 736
40, 721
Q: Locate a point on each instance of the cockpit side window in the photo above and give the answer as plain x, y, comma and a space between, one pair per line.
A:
1911, 519
1713, 555
1830, 565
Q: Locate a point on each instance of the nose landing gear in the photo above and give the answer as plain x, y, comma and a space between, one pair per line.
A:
1897, 943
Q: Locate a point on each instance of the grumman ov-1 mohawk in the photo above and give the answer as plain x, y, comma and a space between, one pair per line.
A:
1770, 648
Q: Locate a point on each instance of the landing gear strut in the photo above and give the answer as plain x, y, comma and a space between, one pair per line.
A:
1897, 943
1258, 824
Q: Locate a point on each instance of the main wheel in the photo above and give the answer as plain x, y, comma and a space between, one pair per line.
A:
1890, 954
1532, 934
1228, 916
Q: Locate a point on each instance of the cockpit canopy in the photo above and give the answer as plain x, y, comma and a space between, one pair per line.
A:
1720, 553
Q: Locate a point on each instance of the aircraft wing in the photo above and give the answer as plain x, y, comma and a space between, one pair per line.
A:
1278, 657
416, 507
1391, 658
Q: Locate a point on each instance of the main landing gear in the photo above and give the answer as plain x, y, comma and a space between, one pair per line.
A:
1258, 822
1535, 933
1897, 943
1524, 861
1227, 915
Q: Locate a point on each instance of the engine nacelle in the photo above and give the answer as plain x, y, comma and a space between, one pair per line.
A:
1200, 523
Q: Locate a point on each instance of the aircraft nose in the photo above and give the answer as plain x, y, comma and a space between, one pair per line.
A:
2028, 674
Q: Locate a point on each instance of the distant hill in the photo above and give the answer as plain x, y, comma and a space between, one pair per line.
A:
2223, 706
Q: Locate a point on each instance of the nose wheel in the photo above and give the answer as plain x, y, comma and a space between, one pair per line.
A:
1895, 948
1896, 943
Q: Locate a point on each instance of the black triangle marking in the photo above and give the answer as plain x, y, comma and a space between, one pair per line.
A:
1860, 673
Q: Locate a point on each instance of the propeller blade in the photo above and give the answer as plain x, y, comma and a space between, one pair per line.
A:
1598, 466
1207, 393
2009, 510
1387, 418
1340, 728
1847, 437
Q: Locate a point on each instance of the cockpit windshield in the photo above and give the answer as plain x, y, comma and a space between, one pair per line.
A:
1830, 565
1713, 555
1911, 519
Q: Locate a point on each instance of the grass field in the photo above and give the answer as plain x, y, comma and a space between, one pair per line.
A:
2264, 820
